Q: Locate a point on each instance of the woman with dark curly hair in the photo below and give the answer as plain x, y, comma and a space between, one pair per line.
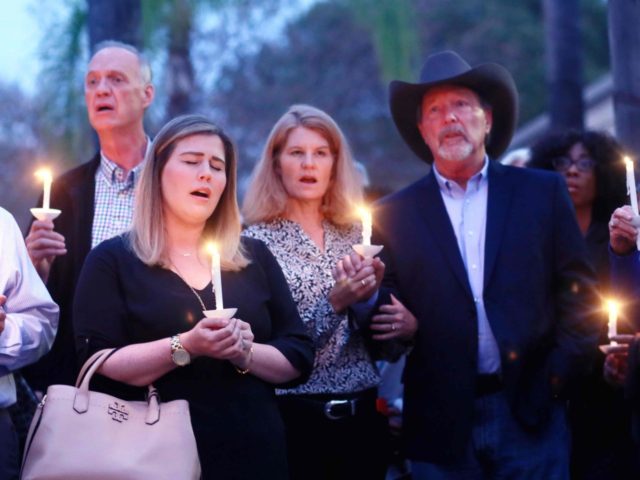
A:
591, 163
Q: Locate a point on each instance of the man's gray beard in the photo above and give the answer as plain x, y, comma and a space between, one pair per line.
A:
455, 153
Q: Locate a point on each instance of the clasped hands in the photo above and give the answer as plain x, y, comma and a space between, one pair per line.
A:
616, 363
356, 280
221, 338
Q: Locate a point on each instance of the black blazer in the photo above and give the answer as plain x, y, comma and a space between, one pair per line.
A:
73, 193
538, 287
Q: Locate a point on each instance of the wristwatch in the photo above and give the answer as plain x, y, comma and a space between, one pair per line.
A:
178, 354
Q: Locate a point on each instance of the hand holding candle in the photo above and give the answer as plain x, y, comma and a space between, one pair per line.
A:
215, 274
631, 191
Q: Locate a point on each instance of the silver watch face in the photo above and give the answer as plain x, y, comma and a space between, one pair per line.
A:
181, 357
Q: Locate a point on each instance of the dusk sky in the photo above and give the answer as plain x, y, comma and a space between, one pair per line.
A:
19, 37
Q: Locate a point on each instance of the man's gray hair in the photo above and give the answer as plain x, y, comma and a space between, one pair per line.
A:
145, 66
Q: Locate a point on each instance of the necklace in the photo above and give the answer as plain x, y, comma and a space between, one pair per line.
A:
185, 253
187, 283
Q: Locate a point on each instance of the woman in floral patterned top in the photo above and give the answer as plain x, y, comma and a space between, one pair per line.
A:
301, 200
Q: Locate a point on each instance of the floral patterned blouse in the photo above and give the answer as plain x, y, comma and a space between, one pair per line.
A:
342, 363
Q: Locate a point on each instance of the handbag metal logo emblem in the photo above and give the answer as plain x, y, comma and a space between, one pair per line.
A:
118, 412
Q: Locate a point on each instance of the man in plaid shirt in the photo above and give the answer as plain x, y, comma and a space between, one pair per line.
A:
96, 198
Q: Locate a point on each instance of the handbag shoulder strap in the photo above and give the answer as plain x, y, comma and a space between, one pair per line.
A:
93, 363
91, 366
100, 357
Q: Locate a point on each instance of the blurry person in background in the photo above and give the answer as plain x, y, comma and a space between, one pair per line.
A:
96, 198
517, 158
302, 202
28, 322
622, 364
625, 263
591, 164
363, 174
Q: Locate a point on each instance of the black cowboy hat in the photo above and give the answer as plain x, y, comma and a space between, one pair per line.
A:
490, 81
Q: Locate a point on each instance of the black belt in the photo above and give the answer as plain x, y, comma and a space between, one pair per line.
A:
488, 384
335, 406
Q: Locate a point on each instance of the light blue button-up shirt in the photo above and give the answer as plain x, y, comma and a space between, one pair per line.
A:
467, 210
31, 316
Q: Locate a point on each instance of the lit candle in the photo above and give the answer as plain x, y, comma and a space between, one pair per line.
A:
613, 308
631, 191
365, 215
631, 185
215, 274
47, 179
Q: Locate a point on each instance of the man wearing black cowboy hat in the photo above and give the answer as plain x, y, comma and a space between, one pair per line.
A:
492, 264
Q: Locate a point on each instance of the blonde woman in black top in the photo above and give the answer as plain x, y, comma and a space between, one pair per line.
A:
145, 292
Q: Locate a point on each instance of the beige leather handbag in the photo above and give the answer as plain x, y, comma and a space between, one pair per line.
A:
79, 434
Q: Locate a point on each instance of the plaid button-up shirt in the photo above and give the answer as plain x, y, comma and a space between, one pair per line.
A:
113, 199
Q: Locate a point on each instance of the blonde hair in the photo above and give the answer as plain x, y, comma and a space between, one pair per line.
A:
148, 235
266, 197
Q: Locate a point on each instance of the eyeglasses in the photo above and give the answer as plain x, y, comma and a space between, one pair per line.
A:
562, 164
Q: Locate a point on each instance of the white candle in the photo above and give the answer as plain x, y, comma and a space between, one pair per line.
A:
631, 191
365, 216
215, 275
47, 179
631, 185
613, 308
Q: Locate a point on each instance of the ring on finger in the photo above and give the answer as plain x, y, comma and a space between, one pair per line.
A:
393, 327
363, 282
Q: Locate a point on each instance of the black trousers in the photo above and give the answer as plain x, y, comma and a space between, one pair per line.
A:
9, 462
354, 446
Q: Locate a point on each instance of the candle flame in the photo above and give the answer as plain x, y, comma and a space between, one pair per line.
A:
212, 247
613, 307
363, 211
44, 174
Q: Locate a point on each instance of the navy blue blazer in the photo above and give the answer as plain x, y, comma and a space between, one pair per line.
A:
538, 293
